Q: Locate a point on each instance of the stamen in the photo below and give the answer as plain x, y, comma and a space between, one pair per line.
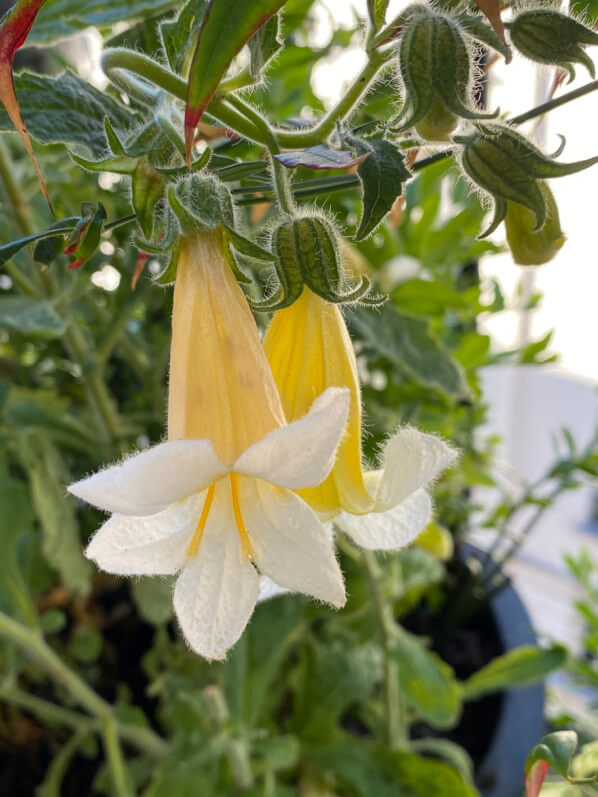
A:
246, 546
193, 547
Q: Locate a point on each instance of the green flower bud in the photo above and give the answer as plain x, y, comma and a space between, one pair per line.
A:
508, 167
549, 37
435, 67
307, 253
530, 247
87, 234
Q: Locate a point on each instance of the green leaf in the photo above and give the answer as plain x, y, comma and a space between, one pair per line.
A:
335, 676
66, 109
59, 19
428, 684
33, 317
377, 12
406, 342
431, 298
227, 25
519, 667
263, 46
368, 771
255, 660
382, 175
556, 749
16, 519
55, 511
178, 33
8, 251
153, 598
450, 752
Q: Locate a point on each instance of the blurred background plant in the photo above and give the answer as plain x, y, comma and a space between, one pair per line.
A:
98, 692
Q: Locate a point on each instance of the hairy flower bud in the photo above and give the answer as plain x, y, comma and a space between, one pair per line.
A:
509, 168
308, 253
530, 247
549, 37
435, 66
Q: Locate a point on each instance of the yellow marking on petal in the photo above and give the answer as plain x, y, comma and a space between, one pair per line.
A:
193, 547
246, 545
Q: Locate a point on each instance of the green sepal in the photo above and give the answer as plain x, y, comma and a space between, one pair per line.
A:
168, 275
556, 749
549, 37
507, 166
114, 141
308, 254
201, 201
477, 29
247, 247
435, 63
147, 188
87, 233
181, 171
240, 275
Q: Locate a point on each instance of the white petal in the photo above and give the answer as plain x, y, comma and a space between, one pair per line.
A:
302, 453
387, 531
410, 460
291, 545
270, 589
151, 481
216, 593
149, 545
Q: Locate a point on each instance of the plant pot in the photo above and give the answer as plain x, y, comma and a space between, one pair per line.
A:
521, 720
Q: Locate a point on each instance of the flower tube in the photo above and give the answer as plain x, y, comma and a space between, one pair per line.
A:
216, 502
309, 350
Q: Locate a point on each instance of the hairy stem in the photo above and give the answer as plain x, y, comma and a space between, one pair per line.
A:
396, 731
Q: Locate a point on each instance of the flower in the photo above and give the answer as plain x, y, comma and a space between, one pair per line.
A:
215, 502
309, 350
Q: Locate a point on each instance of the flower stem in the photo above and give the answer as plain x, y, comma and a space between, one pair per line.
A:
32, 642
396, 730
550, 105
115, 758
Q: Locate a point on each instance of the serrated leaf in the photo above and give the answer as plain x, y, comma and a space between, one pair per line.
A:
34, 317
15, 29
320, 157
263, 46
227, 26
406, 342
66, 109
55, 512
377, 12
382, 175
518, 667
60, 19
427, 683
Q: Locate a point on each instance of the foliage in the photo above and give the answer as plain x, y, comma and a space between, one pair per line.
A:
308, 702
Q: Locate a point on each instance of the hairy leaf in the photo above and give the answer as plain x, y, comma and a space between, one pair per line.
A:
66, 109
382, 175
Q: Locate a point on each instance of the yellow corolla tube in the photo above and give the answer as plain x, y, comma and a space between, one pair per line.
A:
309, 350
217, 502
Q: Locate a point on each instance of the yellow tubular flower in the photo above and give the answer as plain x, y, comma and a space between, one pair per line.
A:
216, 502
309, 350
